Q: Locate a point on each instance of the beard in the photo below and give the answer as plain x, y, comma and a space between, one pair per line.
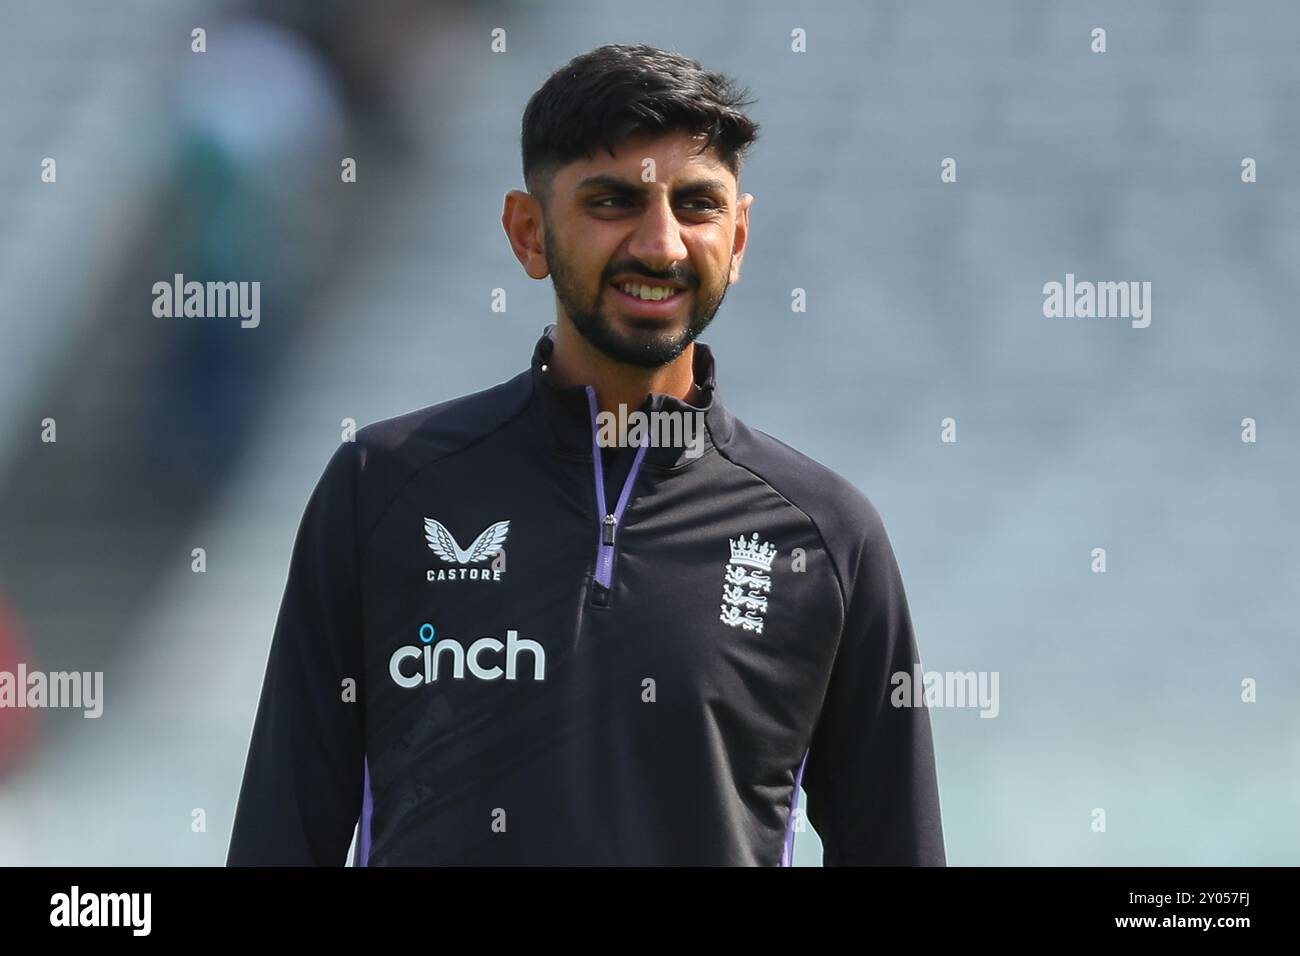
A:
650, 343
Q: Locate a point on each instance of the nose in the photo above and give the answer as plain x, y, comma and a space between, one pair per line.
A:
657, 240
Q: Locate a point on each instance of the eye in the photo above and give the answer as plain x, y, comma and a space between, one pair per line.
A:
602, 203
707, 205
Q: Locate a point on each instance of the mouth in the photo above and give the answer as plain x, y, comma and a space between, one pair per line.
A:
650, 299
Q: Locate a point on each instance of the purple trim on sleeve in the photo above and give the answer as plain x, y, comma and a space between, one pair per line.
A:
787, 852
363, 832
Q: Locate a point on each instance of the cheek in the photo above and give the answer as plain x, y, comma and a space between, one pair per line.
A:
721, 270
588, 264
713, 258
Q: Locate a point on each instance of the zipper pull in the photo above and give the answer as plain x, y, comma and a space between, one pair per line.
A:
608, 531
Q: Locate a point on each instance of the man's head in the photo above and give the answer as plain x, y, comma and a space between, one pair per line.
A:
632, 158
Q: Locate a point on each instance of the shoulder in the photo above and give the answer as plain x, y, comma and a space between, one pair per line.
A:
446, 427
843, 514
384, 455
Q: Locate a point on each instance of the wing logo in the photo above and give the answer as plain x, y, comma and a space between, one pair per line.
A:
488, 546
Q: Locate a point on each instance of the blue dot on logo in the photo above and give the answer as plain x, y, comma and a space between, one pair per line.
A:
426, 633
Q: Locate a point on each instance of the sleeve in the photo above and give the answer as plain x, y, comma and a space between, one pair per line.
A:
869, 776
302, 786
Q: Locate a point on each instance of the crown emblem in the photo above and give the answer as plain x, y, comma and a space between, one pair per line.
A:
753, 553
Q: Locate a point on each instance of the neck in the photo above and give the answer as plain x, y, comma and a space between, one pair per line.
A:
575, 361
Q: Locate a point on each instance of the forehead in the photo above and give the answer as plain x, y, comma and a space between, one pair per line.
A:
677, 155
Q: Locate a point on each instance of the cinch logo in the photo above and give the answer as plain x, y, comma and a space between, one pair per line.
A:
432, 656
489, 544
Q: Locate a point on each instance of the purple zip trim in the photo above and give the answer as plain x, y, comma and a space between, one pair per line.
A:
605, 552
787, 853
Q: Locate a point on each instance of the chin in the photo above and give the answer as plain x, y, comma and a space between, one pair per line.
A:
643, 326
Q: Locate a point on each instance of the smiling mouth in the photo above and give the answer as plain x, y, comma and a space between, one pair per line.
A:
647, 300
648, 291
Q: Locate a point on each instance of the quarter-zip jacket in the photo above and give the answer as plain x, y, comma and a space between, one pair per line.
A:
495, 649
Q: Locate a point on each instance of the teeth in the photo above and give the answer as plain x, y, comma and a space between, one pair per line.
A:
651, 293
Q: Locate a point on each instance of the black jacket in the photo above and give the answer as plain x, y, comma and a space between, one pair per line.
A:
483, 660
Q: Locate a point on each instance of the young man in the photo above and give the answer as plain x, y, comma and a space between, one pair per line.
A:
518, 631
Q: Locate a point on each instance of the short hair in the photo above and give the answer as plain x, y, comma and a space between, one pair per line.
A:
618, 90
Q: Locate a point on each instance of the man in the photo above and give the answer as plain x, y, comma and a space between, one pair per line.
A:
518, 631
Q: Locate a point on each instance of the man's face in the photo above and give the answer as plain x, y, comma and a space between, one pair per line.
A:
609, 232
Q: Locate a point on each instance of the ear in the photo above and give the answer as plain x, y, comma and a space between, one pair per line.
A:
523, 223
742, 236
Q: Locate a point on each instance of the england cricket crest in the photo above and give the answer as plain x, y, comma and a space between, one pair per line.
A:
747, 583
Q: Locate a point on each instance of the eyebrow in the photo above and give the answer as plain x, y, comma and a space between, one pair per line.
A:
641, 190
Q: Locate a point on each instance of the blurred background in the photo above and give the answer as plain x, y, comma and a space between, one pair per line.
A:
1119, 691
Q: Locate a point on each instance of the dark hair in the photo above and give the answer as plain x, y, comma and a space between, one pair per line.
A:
617, 90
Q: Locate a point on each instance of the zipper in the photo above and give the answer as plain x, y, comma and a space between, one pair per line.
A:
602, 581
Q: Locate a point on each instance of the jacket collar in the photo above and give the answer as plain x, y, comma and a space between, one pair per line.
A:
566, 409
